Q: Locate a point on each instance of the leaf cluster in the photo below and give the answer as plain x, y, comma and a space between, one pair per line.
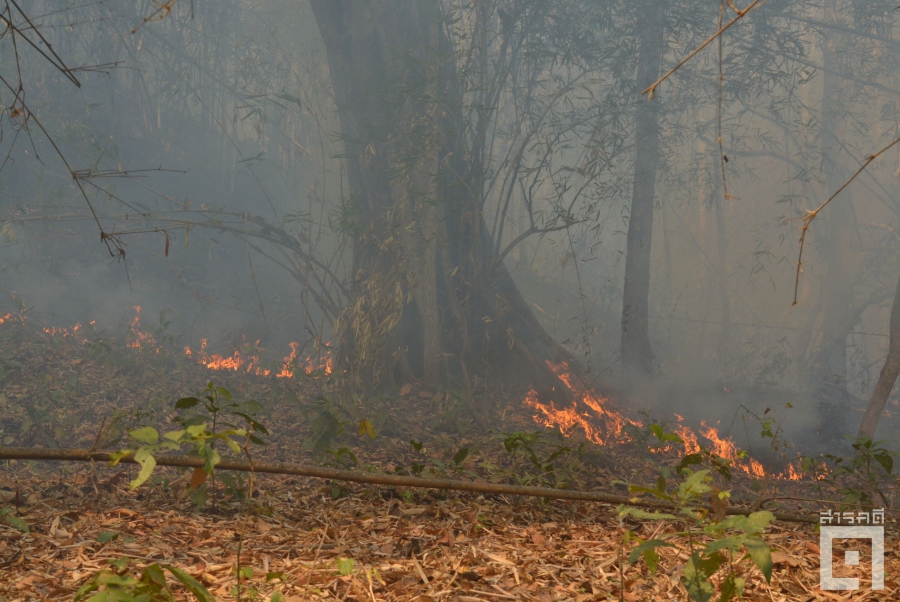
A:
119, 586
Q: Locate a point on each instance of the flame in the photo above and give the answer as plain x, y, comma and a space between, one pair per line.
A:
289, 364
251, 363
611, 422
286, 372
62, 332
138, 338
603, 425
11, 316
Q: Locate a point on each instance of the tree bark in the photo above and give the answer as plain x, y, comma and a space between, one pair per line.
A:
635, 348
888, 375
429, 301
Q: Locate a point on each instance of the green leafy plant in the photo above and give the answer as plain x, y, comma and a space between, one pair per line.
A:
119, 586
729, 537
437, 467
542, 454
326, 421
241, 590
861, 479
731, 541
217, 403
8, 517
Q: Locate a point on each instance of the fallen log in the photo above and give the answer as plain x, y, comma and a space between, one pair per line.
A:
372, 478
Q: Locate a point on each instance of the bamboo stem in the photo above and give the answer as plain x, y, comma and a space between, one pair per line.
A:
81, 455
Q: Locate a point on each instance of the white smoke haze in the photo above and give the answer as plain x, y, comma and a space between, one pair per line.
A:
230, 109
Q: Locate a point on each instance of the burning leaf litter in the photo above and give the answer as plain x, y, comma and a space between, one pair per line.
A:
604, 425
403, 544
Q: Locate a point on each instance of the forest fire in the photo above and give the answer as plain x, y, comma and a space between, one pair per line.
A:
138, 338
62, 332
11, 316
250, 362
603, 425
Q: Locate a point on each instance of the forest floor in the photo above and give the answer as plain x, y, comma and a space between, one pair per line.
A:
307, 539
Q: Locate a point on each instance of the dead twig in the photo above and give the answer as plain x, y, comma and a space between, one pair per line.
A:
811, 215
651, 90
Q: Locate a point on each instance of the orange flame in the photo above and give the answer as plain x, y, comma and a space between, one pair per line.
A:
251, 363
611, 422
286, 372
139, 338
603, 425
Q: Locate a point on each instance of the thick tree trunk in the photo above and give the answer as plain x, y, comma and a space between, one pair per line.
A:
635, 348
888, 375
430, 302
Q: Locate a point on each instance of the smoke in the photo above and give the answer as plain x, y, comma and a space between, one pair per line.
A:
248, 130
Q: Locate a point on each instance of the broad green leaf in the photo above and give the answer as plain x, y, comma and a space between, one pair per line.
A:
175, 435
732, 587
753, 524
145, 458
197, 430
154, 576
84, 590
145, 434
695, 484
461, 455
232, 433
107, 536
212, 458
345, 566
195, 587
648, 550
115, 457
886, 461
761, 555
726, 543
186, 402
199, 495
664, 437
277, 597
695, 582
252, 421
8, 516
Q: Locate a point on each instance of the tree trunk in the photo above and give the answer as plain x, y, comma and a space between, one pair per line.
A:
429, 300
888, 375
636, 351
